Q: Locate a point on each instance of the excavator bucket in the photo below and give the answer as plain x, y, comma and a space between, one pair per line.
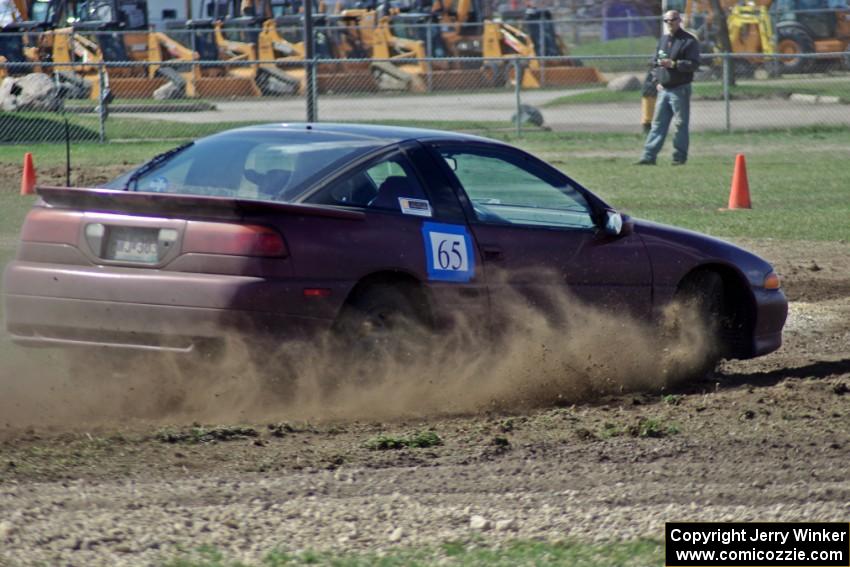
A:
553, 75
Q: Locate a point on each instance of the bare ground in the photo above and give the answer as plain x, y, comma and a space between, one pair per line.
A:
765, 439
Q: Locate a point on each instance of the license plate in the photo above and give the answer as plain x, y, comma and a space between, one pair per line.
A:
132, 244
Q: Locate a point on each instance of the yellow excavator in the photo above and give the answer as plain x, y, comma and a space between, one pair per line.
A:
466, 32
175, 61
71, 39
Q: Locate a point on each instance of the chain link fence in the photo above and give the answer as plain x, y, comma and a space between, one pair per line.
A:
181, 83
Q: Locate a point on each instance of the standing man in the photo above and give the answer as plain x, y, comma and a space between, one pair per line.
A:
677, 57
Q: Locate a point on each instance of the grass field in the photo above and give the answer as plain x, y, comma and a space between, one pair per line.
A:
614, 48
513, 553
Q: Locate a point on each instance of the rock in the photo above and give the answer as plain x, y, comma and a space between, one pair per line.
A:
73, 86
6, 529
528, 115
396, 535
33, 92
625, 83
505, 525
814, 99
168, 91
479, 523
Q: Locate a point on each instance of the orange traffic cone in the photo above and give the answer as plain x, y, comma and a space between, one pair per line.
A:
739, 196
28, 178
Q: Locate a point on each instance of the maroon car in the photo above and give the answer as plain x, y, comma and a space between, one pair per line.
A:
278, 231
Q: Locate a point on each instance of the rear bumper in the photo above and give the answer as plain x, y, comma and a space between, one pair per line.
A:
49, 321
54, 305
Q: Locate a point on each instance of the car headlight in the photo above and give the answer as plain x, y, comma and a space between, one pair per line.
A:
771, 281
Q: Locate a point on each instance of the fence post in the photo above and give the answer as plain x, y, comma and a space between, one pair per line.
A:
313, 88
517, 91
430, 53
542, 52
310, 61
726, 76
101, 98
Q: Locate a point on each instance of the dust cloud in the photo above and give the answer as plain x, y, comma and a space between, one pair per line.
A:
550, 352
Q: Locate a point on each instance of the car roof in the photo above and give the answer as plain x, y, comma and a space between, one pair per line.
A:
377, 132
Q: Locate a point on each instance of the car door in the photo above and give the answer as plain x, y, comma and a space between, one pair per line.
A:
536, 232
413, 226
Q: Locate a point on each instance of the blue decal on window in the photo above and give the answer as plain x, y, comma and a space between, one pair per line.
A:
449, 253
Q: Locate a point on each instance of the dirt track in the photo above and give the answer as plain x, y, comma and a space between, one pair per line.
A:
765, 439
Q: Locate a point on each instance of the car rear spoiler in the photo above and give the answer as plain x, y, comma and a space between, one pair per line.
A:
162, 204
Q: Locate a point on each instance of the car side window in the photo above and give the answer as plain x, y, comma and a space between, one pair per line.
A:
505, 190
389, 185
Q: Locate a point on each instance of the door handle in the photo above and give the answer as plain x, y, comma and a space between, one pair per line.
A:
492, 253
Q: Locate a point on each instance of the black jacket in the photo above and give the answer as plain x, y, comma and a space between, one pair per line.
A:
683, 48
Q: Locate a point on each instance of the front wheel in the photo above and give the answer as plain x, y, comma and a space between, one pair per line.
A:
699, 322
794, 41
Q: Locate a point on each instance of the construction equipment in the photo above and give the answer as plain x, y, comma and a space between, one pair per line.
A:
750, 31
800, 29
19, 41
177, 62
538, 25
72, 39
407, 75
467, 32
826, 30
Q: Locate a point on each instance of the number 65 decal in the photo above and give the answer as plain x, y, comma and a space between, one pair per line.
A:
449, 252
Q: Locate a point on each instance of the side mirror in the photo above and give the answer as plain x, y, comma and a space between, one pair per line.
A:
452, 162
617, 224
613, 223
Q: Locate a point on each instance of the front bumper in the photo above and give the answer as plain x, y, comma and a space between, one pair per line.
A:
771, 312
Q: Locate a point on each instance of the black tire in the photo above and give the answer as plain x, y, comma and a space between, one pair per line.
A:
703, 295
382, 320
791, 41
742, 68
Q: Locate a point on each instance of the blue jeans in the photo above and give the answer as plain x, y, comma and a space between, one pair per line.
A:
673, 105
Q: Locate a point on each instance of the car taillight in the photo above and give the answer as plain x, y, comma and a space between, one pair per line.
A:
50, 225
233, 239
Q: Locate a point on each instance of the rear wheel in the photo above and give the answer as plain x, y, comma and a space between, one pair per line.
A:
382, 320
794, 41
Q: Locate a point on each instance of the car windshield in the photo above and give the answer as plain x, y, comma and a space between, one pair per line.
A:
269, 165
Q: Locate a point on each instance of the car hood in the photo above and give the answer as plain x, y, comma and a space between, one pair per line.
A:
675, 251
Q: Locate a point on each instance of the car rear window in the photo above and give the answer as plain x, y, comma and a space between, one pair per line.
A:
252, 165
